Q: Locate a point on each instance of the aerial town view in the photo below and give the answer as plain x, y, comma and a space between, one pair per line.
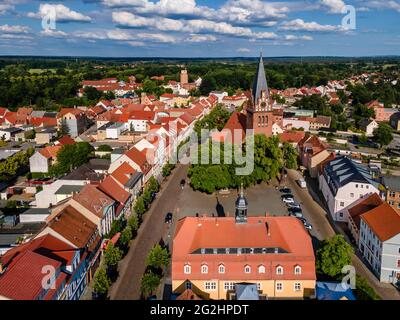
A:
169, 150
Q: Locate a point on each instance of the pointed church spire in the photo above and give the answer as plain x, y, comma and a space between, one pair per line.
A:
260, 83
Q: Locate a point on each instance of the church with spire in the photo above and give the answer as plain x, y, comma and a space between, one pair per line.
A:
258, 114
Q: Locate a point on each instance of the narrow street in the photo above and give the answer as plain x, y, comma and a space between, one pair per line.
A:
323, 229
152, 230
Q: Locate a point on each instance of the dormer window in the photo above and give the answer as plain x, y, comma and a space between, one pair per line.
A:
221, 268
187, 269
261, 269
247, 269
204, 268
279, 270
297, 270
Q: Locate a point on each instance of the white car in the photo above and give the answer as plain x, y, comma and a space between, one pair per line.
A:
291, 205
288, 200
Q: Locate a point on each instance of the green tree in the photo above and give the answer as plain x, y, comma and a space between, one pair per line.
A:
116, 226
64, 128
158, 257
133, 223
112, 256
149, 283
101, 283
92, 93
290, 156
140, 207
333, 255
126, 236
154, 186
105, 148
383, 134
364, 291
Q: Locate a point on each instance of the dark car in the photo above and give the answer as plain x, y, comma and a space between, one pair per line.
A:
295, 210
183, 182
285, 190
168, 217
303, 220
287, 196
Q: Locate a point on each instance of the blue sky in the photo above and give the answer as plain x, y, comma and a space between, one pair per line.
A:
199, 28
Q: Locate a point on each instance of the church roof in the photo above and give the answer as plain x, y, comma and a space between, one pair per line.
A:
260, 82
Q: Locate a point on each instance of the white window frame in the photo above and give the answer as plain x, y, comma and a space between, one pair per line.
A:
279, 286
297, 286
247, 269
187, 269
204, 268
229, 286
279, 270
297, 270
261, 269
221, 268
210, 285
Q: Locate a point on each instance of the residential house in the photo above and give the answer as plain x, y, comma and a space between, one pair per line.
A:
114, 130
292, 137
381, 113
42, 160
212, 255
128, 178
312, 152
75, 119
368, 126
379, 242
342, 182
395, 121
123, 198
9, 134
392, 191
45, 135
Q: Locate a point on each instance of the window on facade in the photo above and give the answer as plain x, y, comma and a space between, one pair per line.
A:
342, 204
279, 270
221, 268
297, 270
258, 286
279, 286
188, 285
204, 268
261, 269
187, 269
341, 214
367, 187
352, 195
297, 286
356, 185
229, 286
398, 263
247, 269
210, 286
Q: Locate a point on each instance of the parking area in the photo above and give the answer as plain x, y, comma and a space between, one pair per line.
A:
262, 199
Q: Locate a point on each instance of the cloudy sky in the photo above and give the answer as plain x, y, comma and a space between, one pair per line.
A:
199, 28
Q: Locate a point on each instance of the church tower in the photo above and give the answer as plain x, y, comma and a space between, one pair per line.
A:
241, 207
259, 110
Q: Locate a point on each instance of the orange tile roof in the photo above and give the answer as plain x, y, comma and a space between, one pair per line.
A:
93, 199
66, 140
123, 173
287, 233
364, 206
50, 152
139, 158
292, 136
113, 189
384, 221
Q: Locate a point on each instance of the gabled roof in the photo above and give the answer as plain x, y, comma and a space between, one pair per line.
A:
66, 140
292, 136
123, 173
365, 205
139, 158
73, 226
392, 183
93, 199
384, 221
110, 187
50, 152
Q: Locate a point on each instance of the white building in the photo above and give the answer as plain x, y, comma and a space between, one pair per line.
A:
343, 182
115, 130
379, 242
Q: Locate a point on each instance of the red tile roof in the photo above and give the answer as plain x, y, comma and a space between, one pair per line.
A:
66, 140
50, 152
286, 233
110, 187
93, 199
384, 221
292, 136
139, 158
365, 205
123, 173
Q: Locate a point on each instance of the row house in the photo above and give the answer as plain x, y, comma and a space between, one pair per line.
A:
312, 152
234, 101
342, 182
75, 119
129, 179
392, 191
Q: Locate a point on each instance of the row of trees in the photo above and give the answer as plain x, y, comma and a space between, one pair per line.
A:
143, 202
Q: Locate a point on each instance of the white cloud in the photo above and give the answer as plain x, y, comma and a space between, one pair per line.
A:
243, 50
124, 3
5, 8
14, 29
334, 6
157, 37
53, 33
63, 13
301, 25
131, 20
15, 36
136, 43
293, 37
201, 38
391, 5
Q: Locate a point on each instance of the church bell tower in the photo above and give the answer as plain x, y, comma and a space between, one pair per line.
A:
241, 207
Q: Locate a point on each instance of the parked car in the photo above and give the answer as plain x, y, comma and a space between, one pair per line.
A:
168, 217
296, 214
303, 220
293, 205
285, 190
307, 226
302, 183
285, 196
288, 200
295, 210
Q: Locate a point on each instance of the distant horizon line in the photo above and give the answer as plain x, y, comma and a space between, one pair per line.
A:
202, 58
